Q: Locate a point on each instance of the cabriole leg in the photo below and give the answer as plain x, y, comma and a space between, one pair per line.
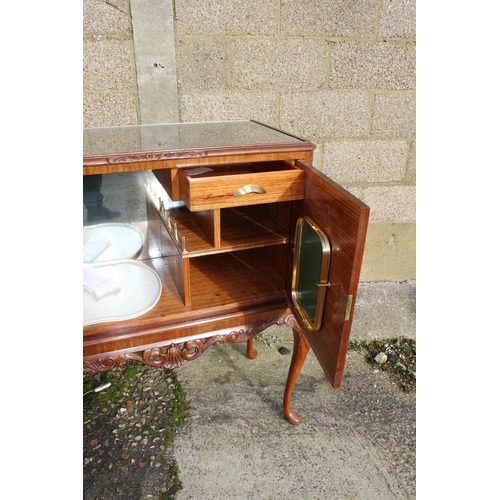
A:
300, 350
251, 352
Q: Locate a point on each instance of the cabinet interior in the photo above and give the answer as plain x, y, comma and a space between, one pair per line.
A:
210, 259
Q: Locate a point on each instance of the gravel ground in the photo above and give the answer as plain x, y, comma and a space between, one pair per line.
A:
127, 431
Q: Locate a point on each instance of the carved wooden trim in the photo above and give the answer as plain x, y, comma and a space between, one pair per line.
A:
132, 158
99, 364
116, 159
286, 150
292, 322
174, 356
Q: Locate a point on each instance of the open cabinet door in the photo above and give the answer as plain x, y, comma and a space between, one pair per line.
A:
342, 220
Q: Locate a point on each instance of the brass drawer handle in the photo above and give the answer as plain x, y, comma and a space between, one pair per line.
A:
250, 188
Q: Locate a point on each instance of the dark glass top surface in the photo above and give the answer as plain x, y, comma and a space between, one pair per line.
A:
180, 136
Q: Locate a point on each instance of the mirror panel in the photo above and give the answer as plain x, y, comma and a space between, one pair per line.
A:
310, 272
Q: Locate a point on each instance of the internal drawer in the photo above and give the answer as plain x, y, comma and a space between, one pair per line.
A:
239, 185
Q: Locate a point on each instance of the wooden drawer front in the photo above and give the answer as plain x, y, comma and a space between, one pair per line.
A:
240, 185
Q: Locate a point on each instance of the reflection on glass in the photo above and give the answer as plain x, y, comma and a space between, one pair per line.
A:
310, 272
175, 136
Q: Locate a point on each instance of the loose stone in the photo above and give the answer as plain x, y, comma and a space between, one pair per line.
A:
381, 358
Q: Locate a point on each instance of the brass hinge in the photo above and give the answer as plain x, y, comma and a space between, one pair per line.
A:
345, 304
348, 307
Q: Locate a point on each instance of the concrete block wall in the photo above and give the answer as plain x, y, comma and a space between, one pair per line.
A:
109, 77
341, 74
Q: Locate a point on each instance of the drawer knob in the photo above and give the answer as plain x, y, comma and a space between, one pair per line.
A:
250, 188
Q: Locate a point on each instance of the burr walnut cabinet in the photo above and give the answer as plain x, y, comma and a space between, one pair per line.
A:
238, 232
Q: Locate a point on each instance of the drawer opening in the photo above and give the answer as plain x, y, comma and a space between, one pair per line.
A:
208, 188
238, 169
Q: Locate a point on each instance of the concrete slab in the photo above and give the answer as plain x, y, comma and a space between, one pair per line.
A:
357, 441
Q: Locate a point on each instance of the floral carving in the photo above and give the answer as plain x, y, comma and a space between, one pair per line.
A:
156, 156
99, 365
174, 356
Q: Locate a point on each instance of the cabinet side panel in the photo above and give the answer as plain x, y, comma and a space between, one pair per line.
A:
280, 211
176, 265
278, 256
168, 179
209, 222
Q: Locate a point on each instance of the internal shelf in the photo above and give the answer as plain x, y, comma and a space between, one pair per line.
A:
240, 229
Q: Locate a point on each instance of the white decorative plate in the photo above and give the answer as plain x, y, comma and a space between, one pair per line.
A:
125, 241
140, 291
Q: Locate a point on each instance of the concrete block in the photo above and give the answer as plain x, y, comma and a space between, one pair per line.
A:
326, 113
108, 64
327, 18
104, 109
385, 310
394, 115
317, 155
225, 17
201, 65
106, 18
391, 203
260, 106
278, 64
390, 252
397, 19
375, 65
356, 191
365, 161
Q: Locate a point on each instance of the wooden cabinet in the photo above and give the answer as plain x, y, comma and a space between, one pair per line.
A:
228, 209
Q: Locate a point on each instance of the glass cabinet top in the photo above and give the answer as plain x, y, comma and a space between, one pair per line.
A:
180, 136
